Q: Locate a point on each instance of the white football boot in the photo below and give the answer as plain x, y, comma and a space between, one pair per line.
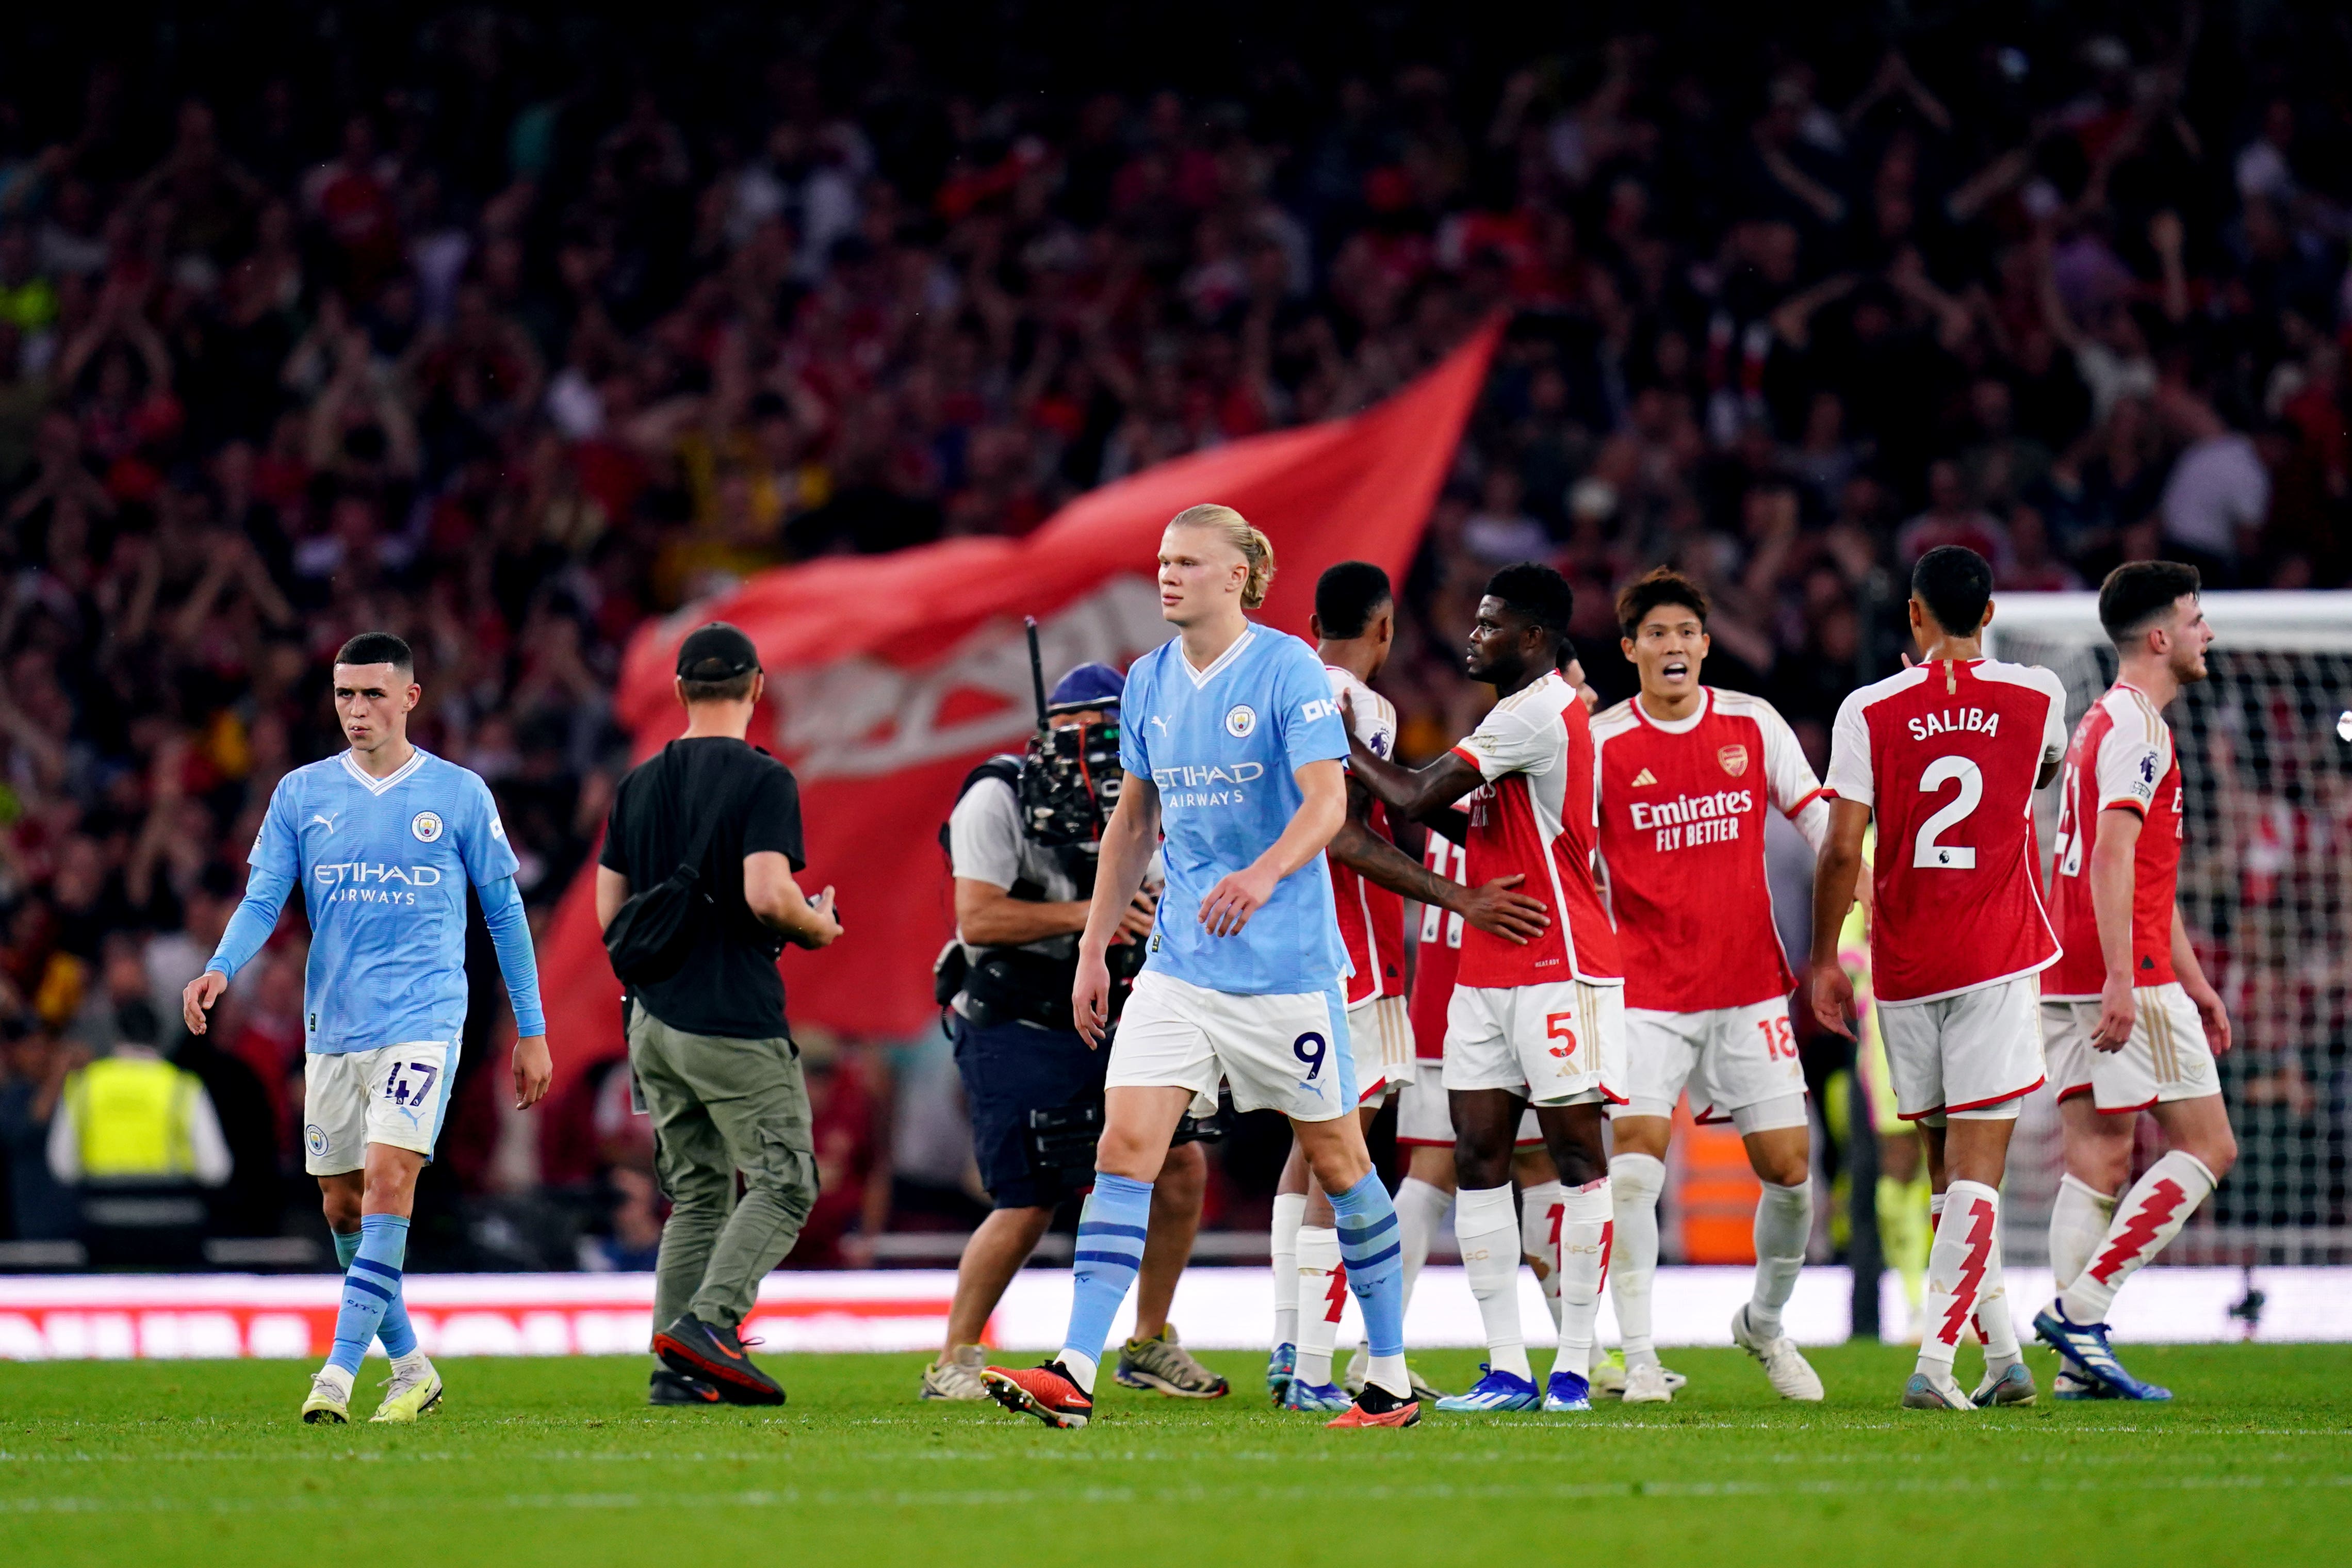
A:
1645, 1383
1790, 1375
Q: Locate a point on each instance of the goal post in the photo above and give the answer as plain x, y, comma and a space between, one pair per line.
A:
2265, 750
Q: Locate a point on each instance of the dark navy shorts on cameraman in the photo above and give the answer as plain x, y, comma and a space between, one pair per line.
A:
1009, 1070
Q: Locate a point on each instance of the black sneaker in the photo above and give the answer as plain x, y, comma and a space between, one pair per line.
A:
677, 1388
706, 1351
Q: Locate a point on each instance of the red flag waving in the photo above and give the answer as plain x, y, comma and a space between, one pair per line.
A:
889, 676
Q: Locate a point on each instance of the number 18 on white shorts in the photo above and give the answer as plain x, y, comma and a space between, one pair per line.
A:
1286, 1052
393, 1094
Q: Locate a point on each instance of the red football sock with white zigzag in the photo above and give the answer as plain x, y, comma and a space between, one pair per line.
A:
1967, 1243
2148, 1219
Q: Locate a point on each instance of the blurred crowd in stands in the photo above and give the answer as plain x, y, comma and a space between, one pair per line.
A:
506, 332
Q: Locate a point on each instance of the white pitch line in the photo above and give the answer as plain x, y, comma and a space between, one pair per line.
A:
873, 1498
1101, 1456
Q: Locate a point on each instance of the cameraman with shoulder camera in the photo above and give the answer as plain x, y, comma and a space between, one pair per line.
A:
1022, 844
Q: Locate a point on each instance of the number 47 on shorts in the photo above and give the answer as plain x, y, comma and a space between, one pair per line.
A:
410, 1083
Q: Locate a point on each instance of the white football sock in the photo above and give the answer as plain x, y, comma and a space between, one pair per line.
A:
1290, 1210
1996, 1324
1784, 1224
342, 1379
1539, 1239
1322, 1292
1587, 1228
2148, 1219
1487, 1226
2078, 1223
1421, 1209
1966, 1245
1636, 1180
410, 1365
1081, 1368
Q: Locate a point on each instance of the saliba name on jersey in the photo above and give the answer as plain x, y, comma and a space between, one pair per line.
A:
1694, 819
1976, 718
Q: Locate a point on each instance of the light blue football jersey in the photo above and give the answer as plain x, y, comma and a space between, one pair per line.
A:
1222, 746
383, 866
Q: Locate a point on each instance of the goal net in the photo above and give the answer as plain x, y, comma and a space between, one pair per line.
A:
2265, 750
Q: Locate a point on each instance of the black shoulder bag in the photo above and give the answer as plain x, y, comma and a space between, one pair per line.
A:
652, 933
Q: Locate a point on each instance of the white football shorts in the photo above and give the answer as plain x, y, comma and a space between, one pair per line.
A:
1425, 1119
1287, 1052
395, 1094
1559, 1042
1379, 1036
2167, 1058
1730, 1059
1978, 1053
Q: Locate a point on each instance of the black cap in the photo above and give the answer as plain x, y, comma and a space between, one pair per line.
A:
716, 652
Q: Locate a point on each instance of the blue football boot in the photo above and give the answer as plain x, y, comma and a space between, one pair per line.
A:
1495, 1391
2087, 1353
1326, 1398
1280, 1366
1565, 1391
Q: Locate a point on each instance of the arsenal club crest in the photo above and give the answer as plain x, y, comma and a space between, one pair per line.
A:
1733, 759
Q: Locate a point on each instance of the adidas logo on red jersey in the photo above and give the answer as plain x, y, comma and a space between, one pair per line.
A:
1644, 777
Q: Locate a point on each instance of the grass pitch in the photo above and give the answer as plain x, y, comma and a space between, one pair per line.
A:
558, 1461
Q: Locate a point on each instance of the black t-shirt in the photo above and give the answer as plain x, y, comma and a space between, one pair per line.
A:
728, 985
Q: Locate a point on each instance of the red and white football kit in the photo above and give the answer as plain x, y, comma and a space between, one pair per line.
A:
1544, 1019
1681, 834
1423, 1118
1371, 924
2122, 760
1946, 755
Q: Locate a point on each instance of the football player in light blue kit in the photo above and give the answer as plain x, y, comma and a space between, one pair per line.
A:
383, 839
1231, 743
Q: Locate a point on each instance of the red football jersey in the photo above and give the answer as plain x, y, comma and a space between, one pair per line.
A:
1438, 958
1946, 755
2121, 760
1682, 833
1371, 917
1535, 816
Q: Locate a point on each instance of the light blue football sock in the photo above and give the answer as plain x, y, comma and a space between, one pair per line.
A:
1111, 1229
399, 1339
370, 1284
1374, 1253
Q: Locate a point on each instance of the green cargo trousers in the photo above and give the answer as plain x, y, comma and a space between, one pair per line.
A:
721, 1105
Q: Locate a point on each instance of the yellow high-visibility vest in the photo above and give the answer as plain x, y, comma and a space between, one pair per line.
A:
134, 1117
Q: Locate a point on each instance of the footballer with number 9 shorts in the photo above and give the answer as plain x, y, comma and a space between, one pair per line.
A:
1230, 743
383, 841
1947, 757
1686, 775
2131, 1021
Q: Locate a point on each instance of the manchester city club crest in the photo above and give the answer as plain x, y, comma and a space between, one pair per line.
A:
426, 825
1240, 720
1733, 759
314, 1139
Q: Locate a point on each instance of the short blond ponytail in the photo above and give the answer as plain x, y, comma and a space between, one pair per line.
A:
1255, 549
